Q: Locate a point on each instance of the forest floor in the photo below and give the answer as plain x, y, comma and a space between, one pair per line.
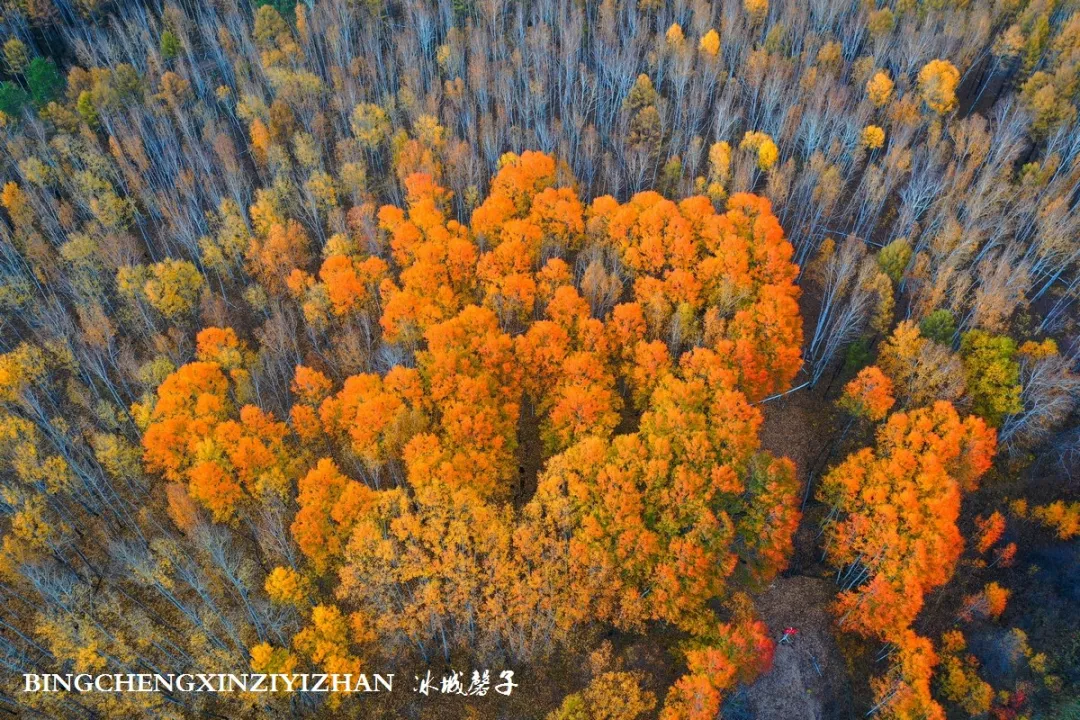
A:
809, 679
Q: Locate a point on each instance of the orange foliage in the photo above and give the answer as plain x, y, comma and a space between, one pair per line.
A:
351, 284
472, 378
437, 260
646, 526
513, 191
378, 415
522, 214
666, 498
441, 557
688, 259
329, 506
904, 691
570, 377
895, 509
738, 653
988, 603
311, 386
989, 531
196, 435
898, 505
868, 395
182, 511
271, 258
1063, 518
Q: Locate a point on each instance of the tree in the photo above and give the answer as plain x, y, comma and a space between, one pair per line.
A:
895, 510
196, 435
938, 80
44, 81
879, 88
285, 585
12, 99
989, 603
379, 415
756, 9
894, 258
370, 125
727, 278
672, 490
16, 55
610, 696
571, 378
1049, 387
328, 641
710, 43
992, 375
851, 287
640, 106
741, 650
437, 258
904, 691
868, 395
893, 534
329, 504
990, 530
939, 326
174, 287
921, 371
434, 570
273, 255
959, 680
763, 146
473, 381
351, 284
1062, 517
169, 45
873, 137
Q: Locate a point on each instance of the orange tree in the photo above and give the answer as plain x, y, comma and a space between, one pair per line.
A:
654, 501
202, 434
893, 532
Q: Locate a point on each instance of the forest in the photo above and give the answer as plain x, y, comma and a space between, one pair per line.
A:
686, 360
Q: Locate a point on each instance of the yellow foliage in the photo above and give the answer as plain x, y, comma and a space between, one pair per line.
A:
756, 9
938, 81
879, 88
370, 124
763, 145
20, 368
286, 586
674, 35
720, 163
873, 137
268, 659
173, 287
610, 696
710, 43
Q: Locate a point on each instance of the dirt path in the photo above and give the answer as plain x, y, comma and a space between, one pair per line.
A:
808, 680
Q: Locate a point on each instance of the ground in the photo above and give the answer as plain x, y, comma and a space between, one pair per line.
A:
808, 680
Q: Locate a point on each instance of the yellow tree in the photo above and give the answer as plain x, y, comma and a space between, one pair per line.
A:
938, 80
